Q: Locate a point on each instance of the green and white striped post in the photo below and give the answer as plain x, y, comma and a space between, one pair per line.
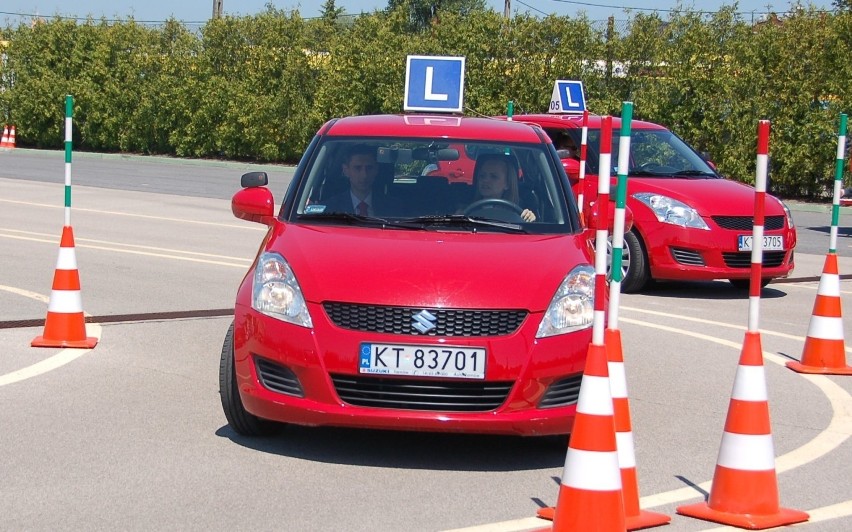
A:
69, 114
838, 184
620, 202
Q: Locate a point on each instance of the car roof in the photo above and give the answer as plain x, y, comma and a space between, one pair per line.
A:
427, 126
576, 121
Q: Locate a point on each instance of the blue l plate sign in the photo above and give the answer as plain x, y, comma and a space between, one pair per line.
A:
567, 97
434, 83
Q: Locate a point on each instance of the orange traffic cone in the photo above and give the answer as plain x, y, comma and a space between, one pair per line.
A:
635, 518
744, 492
11, 140
825, 349
65, 325
590, 493
4, 141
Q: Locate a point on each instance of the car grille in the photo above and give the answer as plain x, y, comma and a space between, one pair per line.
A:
742, 259
278, 378
689, 257
410, 394
449, 322
563, 392
745, 223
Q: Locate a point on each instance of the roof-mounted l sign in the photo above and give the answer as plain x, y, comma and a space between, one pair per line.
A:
434, 83
568, 97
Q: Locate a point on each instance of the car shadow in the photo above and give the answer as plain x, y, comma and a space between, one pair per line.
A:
408, 450
842, 230
709, 290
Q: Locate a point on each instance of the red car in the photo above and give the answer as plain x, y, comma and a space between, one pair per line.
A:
387, 296
689, 223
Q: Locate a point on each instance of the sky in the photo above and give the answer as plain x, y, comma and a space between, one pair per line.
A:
198, 11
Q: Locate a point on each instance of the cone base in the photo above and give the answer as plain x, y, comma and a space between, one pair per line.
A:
784, 516
41, 341
644, 519
819, 370
546, 513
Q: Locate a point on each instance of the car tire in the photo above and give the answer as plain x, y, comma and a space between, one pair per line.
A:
745, 284
638, 273
240, 420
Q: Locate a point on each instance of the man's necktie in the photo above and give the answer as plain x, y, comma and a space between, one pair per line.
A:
363, 209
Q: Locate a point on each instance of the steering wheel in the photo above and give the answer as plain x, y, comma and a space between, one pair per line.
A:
493, 202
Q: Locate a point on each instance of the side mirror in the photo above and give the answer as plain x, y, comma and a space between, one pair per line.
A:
706, 156
254, 202
593, 212
572, 168
254, 179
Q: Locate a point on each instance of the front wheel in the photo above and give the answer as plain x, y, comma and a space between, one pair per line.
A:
635, 270
238, 417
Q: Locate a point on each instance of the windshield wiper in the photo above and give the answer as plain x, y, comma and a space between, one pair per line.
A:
696, 173
358, 220
648, 173
464, 221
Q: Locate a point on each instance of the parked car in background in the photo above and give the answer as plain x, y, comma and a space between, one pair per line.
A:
689, 222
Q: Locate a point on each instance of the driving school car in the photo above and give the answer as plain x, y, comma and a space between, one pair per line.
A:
442, 313
689, 223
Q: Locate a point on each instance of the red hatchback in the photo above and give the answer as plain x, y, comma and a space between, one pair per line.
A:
689, 223
388, 296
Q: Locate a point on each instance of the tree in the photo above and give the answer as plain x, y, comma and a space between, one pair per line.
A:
422, 12
330, 12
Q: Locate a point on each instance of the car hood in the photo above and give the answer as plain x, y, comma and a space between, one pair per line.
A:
425, 268
721, 197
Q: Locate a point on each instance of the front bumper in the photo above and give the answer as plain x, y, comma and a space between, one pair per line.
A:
302, 371
676, 253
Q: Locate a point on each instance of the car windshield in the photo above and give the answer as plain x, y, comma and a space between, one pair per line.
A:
433, 184
653, 153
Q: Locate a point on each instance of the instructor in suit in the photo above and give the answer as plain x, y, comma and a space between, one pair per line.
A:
360, 168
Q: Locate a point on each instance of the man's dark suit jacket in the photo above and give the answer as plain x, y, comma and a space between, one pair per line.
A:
382, 205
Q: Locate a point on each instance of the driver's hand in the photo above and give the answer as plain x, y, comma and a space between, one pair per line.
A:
528, 215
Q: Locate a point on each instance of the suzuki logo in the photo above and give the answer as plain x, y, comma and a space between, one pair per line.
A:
424, 321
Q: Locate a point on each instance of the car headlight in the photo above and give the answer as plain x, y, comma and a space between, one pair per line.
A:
672, 211
789, 215
573, 306
276, 292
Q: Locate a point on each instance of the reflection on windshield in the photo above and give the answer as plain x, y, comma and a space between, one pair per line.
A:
655, 153
435, 184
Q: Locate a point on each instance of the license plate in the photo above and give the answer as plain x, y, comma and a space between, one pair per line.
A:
422, 360
770, 242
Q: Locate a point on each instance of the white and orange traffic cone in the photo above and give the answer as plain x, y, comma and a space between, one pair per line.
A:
744, 492
4, 140
65, 325
635, 518
590, 495
825, 348
11, 139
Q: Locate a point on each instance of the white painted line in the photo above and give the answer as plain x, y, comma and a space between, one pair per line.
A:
253, 227
56, 361
243, 265
835, 434
716, 324
52, 238
818, 515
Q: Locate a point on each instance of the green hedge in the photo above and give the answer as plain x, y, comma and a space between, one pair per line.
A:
258, 87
